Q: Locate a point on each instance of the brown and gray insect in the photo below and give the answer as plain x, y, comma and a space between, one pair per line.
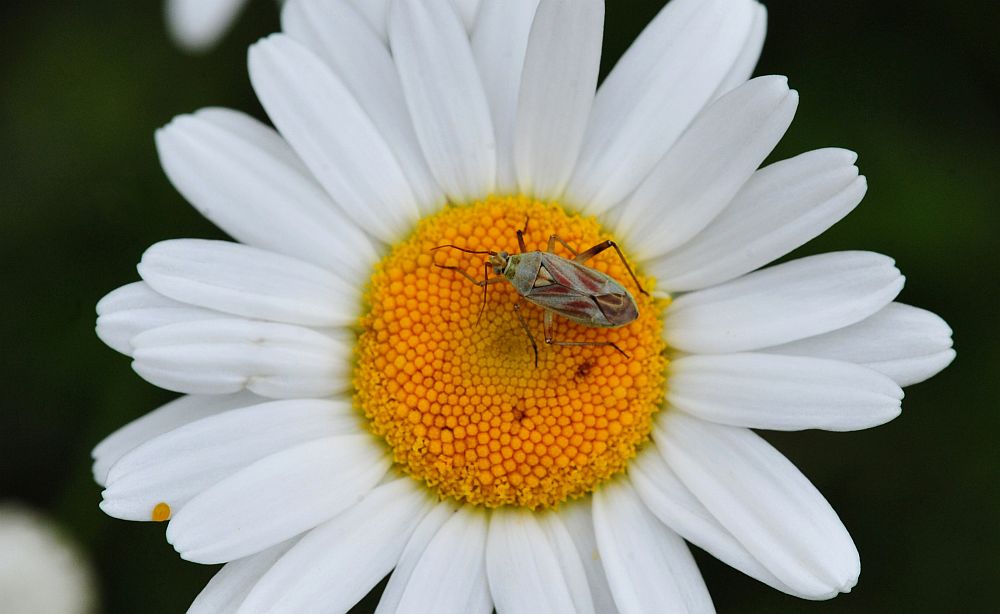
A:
559, 286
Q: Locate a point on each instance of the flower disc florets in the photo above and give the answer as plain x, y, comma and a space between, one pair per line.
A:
460, 401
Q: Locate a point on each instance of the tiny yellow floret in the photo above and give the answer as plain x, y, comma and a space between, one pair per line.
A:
161, 513
462, 405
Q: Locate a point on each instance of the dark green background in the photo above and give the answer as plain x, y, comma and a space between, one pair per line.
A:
913, 87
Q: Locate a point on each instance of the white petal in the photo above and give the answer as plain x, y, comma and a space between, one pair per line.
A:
376, 12
249, 282
649, 567
136, 295
661, 83
225, 356
671, 501
445, 96
451, 573
338, 33
556, 93
780, 208
580, 524
321, 119
276, 498
747, 58
334, 565
906, 343
162, 420
707, 166
783, 393
243, 176
467, 10
524, 569
499, 44
408, 559
179, 464
229, 587
764, 501
198, 24
135, 308
914, 370
570, 564
783, 303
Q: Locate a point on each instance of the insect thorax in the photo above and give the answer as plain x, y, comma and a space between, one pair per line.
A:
511, 269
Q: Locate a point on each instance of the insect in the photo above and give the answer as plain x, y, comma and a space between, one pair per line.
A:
560, 286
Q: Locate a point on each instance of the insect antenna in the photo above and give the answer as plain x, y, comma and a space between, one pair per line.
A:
462, 249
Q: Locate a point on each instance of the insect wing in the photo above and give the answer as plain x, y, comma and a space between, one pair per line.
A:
568, 303
576, 277
581, 294
618, 309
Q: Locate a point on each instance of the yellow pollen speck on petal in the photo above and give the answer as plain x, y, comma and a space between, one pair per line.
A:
459, 400
161, 513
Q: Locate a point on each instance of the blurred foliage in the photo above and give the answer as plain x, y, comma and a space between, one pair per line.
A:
913, 87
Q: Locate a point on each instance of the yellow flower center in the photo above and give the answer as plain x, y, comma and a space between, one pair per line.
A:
460, 401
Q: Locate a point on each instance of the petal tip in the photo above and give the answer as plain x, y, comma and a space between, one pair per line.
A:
777, 83
264, 45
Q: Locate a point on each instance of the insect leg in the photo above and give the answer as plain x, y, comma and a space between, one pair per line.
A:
552, 244
547, 324
520, 236
527, 331
485, 283
486, 286
600, 247
590, 344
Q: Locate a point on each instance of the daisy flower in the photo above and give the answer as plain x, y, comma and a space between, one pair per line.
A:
197, 25
40, 569
356, 408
